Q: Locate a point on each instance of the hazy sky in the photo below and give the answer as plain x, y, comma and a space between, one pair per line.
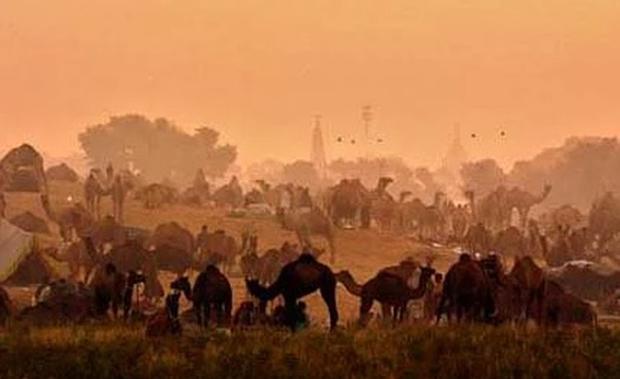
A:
258, 70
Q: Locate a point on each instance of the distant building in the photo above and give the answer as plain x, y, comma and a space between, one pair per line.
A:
317, 154
456, 155
449, 174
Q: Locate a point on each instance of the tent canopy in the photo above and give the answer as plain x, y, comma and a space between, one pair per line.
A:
20, 263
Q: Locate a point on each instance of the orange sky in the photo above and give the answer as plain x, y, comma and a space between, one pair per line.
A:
258, 70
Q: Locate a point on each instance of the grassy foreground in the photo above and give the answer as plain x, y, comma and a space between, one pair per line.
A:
407, 352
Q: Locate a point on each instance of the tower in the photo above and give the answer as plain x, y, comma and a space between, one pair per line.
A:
456, 154
367, 117
317, 155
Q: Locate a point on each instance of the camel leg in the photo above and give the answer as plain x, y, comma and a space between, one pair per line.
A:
329, 296
386, 311
198, 310
127, 298
290, 306
207, 314
440, 309
227, 312
365, 307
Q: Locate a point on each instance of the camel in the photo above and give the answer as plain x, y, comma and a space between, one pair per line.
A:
95, 187
495, 209
523, 201
389, 289
492, 211
21, 170
346, 200
561, 308
113, 289
297, 279
70, 219
212, 291
267, 267
199, 193
174, 247
60, 301
217, 248
532, 283
230, 194
510, 243
466, 291
478, 239
307, 224
79, 255
429, 220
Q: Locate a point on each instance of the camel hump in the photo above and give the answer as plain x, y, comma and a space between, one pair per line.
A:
307, 258
464, 258
212, 269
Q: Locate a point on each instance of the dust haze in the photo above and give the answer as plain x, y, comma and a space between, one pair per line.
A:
323, 189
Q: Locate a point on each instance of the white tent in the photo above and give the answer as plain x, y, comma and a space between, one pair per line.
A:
15, 246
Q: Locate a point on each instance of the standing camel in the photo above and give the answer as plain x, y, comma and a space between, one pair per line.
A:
296, 280
95, 187
388, 289
212, 291
307, 224
466, 291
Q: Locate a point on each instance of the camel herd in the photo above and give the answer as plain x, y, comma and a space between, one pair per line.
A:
108, 260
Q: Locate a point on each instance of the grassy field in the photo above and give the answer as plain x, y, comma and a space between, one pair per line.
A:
412, 351
116, 351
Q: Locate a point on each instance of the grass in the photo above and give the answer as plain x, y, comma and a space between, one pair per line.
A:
120, 351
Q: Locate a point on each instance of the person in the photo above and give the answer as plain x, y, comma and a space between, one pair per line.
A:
202, 238
153, 290
433, 296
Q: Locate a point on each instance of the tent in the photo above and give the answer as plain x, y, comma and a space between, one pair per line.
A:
20, 263
62, 172
29, 222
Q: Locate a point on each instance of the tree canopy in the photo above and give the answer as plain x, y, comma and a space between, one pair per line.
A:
157, 148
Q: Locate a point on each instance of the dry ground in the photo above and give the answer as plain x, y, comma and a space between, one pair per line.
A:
361, 252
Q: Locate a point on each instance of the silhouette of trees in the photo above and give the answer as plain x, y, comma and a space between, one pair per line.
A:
301, 173
482, 176
580, 171
157, 148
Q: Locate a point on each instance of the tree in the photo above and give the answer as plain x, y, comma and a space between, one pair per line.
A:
301, 173
580, 171
269, 170
158, 149
482, 177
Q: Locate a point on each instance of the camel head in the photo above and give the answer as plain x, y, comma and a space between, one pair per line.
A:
384, 182
256, 289
546, 191
182, 284
343, 276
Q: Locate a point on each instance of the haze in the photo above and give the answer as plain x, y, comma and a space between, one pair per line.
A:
259, 70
